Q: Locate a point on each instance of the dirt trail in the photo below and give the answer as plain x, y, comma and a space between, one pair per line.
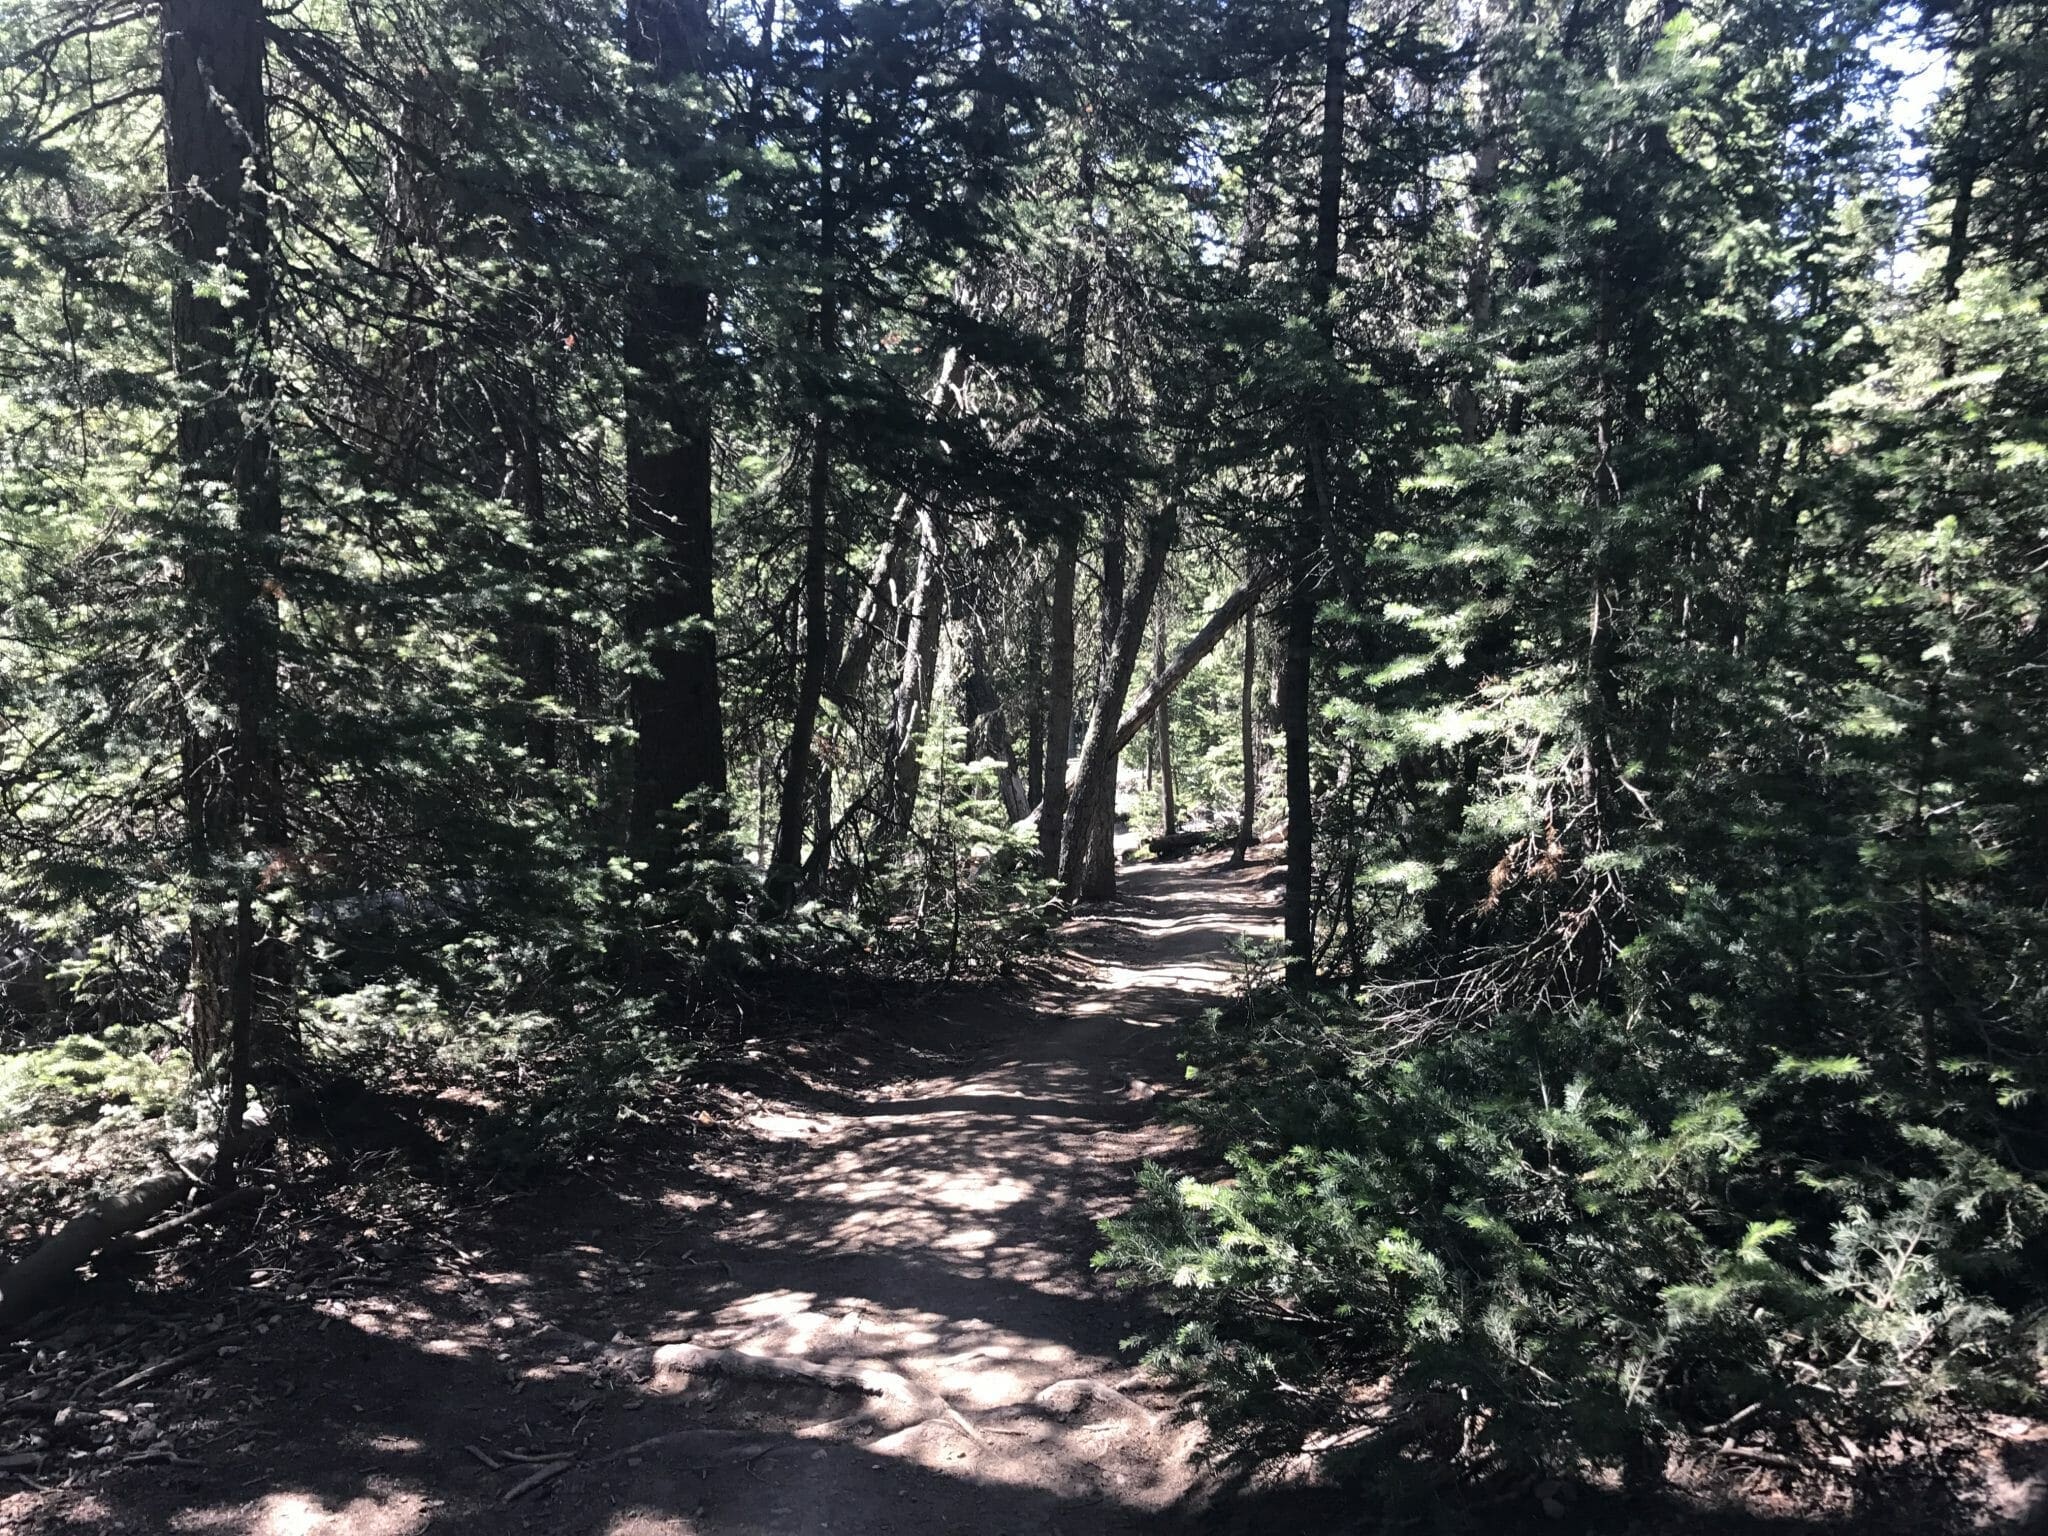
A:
902, 1264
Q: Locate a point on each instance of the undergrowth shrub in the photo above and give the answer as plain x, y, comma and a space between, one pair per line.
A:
123, 1072
1570, 1239
970, 900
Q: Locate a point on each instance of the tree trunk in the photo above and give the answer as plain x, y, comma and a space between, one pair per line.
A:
1189, 656
1162, 729
1099, 829
675, 702
1248, 740
1087, 867
1059, 682
1300, 620
217, 162
785, 865
40, 1276
1178, 666
912, 704
1487, 155
988, 730
1034, 695
876, 600
1059, 704
1295, 709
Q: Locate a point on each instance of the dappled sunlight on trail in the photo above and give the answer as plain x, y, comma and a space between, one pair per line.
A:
872, 1312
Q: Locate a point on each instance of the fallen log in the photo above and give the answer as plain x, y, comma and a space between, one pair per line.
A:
247, 1194
164, 1367
26, 1287
1176, 845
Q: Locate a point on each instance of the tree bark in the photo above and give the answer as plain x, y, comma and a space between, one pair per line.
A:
1248, 739
1099, 828
1295, 706
876, 600
912, 703
1162, 728
1059, 682
1059, 704
1034, 694
1190, 655
988, 730
1087, 868
1300, 619
785, 864
230, 521
680, 752
1487, 155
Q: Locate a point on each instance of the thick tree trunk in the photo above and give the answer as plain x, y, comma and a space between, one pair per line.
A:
1300, 619
1488, 152
797, 759
1099, 828
1087, 867
1059, 683
675, 702
216, 161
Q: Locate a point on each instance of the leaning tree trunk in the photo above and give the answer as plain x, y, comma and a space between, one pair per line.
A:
875, 613
229, 521
1087, 868
1184, 661
911, 705
675, 702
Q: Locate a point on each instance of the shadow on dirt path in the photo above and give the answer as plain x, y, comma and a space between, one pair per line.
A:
873, 1313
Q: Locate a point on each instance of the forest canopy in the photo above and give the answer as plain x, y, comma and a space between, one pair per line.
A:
519, 518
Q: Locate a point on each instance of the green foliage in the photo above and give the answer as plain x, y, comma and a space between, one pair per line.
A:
1678, 800
970, 899
1579, 1256
124, 1072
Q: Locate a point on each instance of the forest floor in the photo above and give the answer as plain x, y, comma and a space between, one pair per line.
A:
900, 1229
848, 1294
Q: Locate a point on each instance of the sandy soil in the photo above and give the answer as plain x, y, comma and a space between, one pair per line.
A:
872, 1312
